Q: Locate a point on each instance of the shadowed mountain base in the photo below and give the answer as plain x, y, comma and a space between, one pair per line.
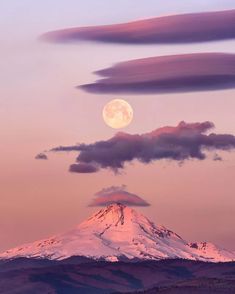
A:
30, 276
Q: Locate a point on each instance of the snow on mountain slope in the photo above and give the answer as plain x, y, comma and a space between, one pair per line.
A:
212, 253
115, 232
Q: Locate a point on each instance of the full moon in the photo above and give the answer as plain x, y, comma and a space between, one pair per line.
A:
117, 114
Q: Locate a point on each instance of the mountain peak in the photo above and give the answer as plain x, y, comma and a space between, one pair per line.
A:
118, 231
115, 206
114, 214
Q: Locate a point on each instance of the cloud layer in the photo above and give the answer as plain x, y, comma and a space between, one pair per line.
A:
183, 142
117, 194
185, 28
168, 74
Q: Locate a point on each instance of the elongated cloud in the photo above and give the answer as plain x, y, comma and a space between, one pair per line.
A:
168, 74
116, 194
185, 28
183, 142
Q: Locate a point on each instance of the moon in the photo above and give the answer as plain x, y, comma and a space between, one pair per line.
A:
117, 114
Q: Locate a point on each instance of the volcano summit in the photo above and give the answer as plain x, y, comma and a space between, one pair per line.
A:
118, 232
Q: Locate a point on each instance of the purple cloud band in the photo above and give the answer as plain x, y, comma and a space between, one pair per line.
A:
183, 142
184, 28
167, 74
117, 195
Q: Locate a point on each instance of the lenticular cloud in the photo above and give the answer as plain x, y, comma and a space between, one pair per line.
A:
184, 28
167, 74
116, 194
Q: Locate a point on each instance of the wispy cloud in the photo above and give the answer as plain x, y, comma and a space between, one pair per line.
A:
183, 142
184, 28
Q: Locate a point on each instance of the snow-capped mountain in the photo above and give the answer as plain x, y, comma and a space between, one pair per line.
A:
118, 232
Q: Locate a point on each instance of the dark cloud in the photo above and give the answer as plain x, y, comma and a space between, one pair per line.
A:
183, 142
83, 168
185, 28
41, 156
116, 194
168, 74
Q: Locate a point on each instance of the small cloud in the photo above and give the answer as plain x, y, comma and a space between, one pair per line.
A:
41, 156
117, 194
83, 168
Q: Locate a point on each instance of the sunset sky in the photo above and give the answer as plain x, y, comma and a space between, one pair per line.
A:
41, 108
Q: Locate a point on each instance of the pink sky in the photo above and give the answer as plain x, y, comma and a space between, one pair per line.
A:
40, 108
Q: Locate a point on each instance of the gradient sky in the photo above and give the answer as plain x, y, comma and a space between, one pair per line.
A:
40, 108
